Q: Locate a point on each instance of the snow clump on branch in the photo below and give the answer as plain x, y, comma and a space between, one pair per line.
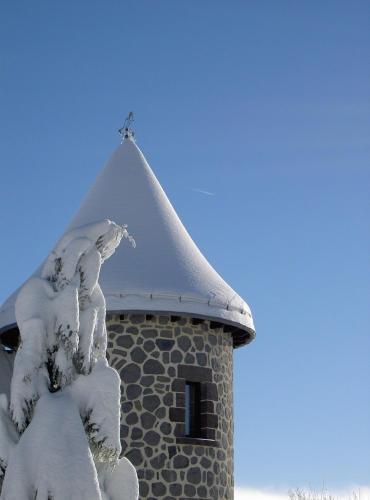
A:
65, 399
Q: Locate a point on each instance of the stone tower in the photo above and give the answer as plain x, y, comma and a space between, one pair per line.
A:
172, 323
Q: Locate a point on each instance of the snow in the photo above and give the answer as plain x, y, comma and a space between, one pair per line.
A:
166, 272
65, 399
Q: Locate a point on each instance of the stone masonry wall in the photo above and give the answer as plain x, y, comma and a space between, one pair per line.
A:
153, 355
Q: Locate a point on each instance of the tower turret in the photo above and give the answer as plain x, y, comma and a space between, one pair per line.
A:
173, 323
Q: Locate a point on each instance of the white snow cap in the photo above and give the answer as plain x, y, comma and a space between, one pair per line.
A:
166, 272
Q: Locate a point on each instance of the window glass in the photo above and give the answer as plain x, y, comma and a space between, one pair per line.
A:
192, 409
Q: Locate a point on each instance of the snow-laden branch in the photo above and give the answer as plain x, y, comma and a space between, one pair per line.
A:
65, 399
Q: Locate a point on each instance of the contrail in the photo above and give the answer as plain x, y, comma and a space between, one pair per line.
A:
208, 193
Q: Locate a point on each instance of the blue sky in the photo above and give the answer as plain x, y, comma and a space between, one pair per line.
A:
264, 104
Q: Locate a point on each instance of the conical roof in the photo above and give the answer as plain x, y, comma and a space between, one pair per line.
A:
166, 272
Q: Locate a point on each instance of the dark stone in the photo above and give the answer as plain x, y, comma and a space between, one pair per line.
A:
208, 391
137, 318
199, 451
207, 407
167, 334
169, 475
119, 365
151, 438
149, 317
201, 359
163, 320
223, 478
194, 475
133, 391
171, 370
164, 344
136, 433
154, 367
132, 418
205, 462
165, 428
171, 451
149, 345
177, 414
149, 474
124, 431
132, 329
125, 341
199, 342
143, 489
188, 450
149, 333
189, 490
209, 420
193, 460
130, 373
163, 378
151, 402
178, 385
188, 330
208, 433
184, 343
180, 400
115, 328
158, 489
147, 380
176, 356
212, 339
195, 373
166, 357
147, 420
138, 355
155, 354
168, 399
161, 412
135, 456
148, 452
210, 478
180, 462
119, 352
158, 461
179, 430
189, 359
126, 407
202, 491
176, 489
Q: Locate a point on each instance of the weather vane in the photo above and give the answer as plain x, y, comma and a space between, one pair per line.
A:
126, 131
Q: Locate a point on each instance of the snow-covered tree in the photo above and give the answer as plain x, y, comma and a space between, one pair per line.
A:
59, 440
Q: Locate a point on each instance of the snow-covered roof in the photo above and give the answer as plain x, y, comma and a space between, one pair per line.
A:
166, 272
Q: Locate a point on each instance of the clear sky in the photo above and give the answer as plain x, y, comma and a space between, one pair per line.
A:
264, 104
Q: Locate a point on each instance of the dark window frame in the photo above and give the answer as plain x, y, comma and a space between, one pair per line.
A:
205, 420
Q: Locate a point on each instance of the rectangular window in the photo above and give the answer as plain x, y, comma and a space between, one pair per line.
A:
192, 409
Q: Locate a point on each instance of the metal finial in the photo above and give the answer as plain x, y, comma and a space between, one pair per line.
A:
126, 131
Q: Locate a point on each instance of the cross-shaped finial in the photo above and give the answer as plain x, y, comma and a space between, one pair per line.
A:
126, 131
